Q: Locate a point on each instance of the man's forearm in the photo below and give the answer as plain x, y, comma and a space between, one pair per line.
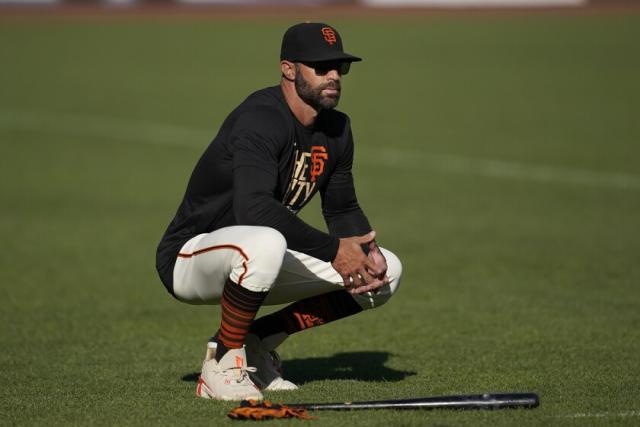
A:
347, 224
300, 236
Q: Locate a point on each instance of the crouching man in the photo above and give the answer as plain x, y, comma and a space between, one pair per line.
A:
236, 240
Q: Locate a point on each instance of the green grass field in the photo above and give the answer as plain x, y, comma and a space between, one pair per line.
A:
497, 156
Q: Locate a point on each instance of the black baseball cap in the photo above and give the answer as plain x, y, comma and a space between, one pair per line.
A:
313, 42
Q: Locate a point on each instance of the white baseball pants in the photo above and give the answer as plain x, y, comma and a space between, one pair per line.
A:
257, 258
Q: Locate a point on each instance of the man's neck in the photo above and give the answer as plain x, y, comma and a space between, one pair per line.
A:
305, 113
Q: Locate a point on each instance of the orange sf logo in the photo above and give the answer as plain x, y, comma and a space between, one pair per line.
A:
308, 320
329, 35
318, 156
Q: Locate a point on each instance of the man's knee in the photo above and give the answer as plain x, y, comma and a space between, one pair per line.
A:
263, 254
266, 244
384, 294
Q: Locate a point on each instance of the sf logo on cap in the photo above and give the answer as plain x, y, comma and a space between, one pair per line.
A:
329, 35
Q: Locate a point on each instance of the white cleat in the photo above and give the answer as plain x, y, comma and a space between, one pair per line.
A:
261, 355
227, 379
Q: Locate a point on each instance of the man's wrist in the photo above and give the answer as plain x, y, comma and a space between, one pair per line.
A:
333, 249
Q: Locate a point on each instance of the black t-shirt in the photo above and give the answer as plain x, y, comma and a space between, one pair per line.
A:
261, 169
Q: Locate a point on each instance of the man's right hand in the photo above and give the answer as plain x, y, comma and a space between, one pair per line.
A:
359, 273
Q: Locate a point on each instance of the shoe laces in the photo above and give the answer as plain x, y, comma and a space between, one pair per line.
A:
239, 374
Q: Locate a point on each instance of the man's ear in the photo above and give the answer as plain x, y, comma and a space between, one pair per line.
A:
288, 70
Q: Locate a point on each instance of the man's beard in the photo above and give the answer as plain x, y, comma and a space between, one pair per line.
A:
313, 96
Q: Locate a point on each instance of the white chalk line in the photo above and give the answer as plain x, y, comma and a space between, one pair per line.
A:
506, 169
622, 414
112, 128
155, 133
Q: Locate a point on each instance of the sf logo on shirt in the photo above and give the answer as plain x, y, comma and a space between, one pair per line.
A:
306, 170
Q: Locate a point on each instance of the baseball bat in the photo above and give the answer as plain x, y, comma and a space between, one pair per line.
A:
474, 401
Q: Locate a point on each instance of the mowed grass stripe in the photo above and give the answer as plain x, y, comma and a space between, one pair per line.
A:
155, 133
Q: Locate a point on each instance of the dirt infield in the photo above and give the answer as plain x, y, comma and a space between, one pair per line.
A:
217, 12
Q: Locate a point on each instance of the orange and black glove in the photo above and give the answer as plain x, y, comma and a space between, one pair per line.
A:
252, 410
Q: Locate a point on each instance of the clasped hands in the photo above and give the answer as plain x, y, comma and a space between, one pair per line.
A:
361, 272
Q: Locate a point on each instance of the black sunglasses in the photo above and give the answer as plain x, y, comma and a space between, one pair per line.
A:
323, 67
